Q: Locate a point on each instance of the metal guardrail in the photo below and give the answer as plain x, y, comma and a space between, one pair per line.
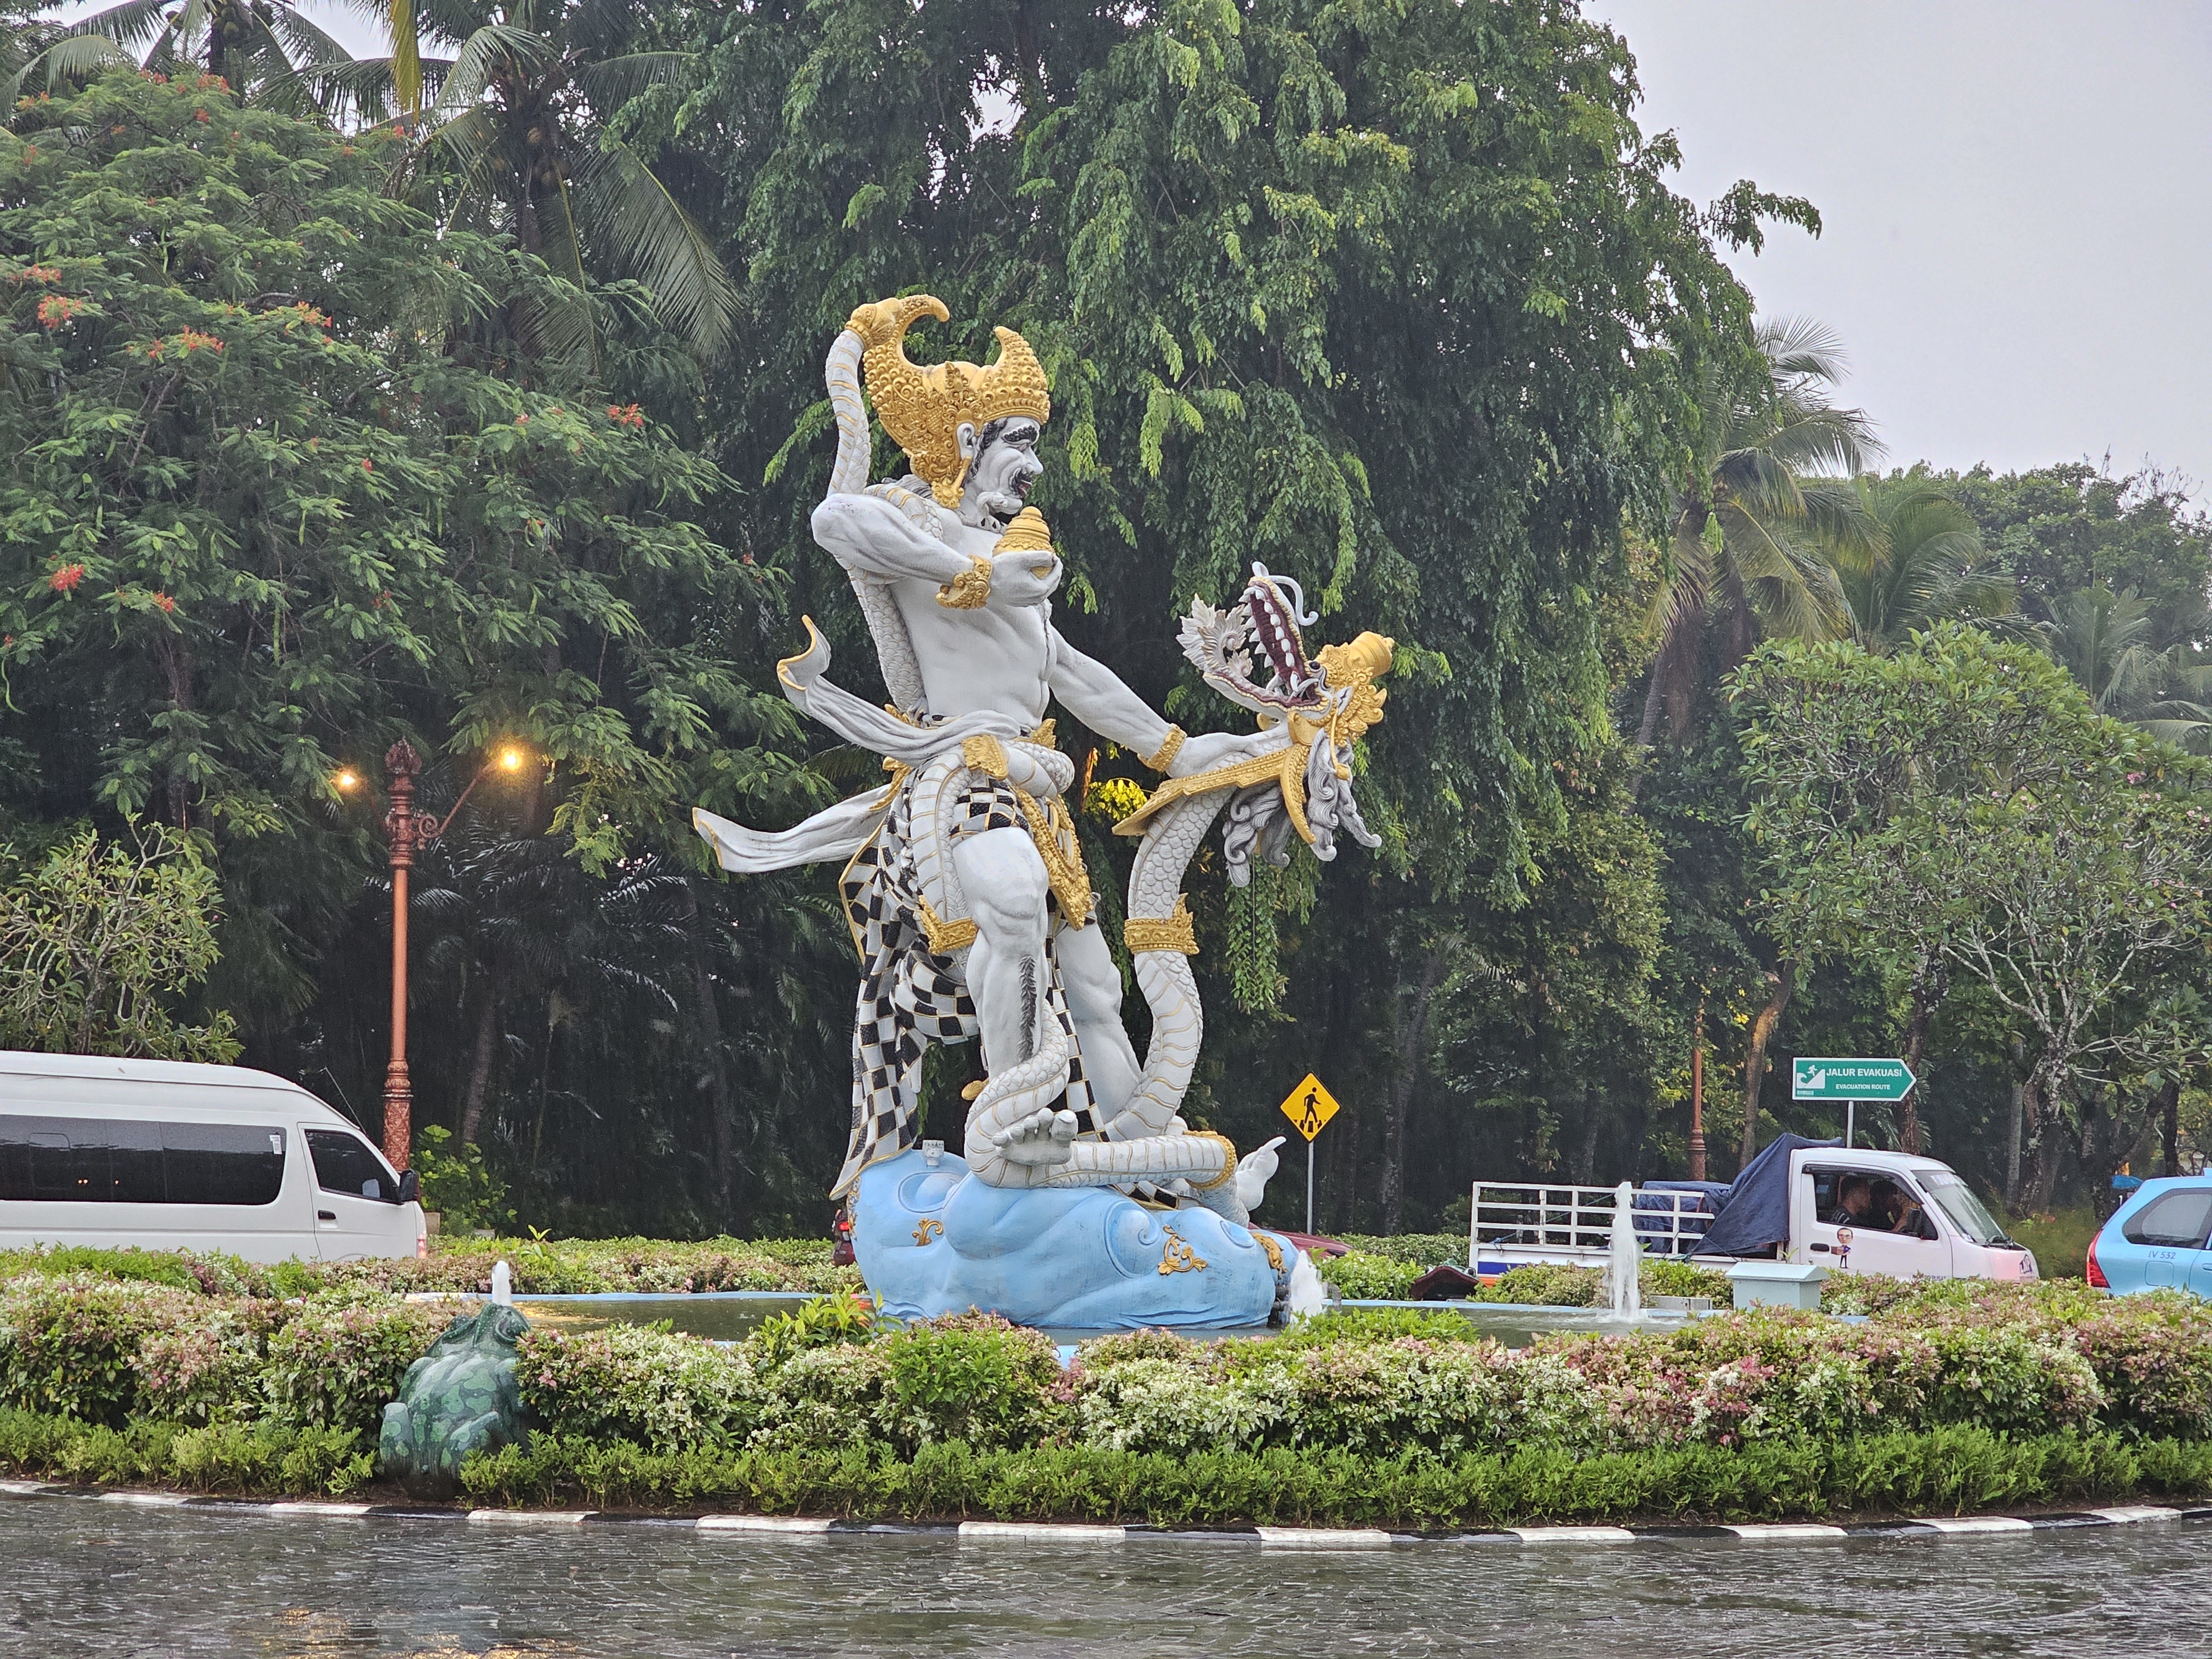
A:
1516, 1222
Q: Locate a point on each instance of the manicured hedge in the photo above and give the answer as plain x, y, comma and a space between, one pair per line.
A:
1384, 1269
1952, 1470
540, 1266
105, 1351
1382, 1383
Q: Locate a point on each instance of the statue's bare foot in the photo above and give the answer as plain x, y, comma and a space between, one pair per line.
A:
1041, 1137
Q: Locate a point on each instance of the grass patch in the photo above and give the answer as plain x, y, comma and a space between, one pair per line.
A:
2060, 1239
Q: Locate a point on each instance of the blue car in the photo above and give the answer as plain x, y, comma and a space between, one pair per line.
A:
2156, 1240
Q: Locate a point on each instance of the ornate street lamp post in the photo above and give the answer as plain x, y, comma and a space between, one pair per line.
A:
1697, 1098
407, 831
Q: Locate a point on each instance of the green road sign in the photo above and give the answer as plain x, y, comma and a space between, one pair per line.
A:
1849, 1079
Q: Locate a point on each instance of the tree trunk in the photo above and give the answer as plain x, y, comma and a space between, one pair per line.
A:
719, 1104
2011, 1147
1928, 983
1401, 1091
1673, 684
2043, 1115
1779, 984
1343, 1166
480, 1065
175, 658
1586, 1160
2167, 1104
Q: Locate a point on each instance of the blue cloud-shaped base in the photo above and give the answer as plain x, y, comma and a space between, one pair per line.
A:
935, 1241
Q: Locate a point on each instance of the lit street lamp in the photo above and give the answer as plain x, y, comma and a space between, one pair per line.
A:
406, 832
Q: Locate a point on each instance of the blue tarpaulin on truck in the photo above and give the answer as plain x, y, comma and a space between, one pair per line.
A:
1756, 1216
1656, 1218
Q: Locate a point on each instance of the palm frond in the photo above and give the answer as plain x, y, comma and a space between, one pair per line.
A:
489, 51
614, 82
406, 56
641, 224
1791, 587
73, 57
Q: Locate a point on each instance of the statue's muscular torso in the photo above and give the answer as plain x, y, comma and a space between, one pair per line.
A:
997, 657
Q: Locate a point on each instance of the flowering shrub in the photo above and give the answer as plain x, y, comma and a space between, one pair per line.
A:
336, 1361
67, 1345
1547, 1284
581, 1267
2153, 1355
636, 1382
206, 1367
177, 1345
972, 1377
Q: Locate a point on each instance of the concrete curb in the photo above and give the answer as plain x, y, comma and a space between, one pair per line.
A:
1085, 1534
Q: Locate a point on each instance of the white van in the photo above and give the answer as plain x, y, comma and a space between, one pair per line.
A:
1849, 1211
164, 1156
1921, 1221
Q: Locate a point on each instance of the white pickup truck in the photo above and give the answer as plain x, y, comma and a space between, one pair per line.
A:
1915, 1218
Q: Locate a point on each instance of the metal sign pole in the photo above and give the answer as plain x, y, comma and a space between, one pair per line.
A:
1310, 1189
1851, 1122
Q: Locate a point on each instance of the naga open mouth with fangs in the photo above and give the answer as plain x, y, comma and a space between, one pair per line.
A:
1269, 616
1327, 701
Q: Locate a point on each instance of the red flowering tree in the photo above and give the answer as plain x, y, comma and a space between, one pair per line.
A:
275, 478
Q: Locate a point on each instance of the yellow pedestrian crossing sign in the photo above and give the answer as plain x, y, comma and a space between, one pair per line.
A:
1309, 1107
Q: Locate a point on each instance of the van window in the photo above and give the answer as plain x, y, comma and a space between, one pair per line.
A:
1967, 1212
1870, 1201
2179, 1218
88, 1161
344, 1164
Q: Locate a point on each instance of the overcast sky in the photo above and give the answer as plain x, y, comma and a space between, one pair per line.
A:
2016, 198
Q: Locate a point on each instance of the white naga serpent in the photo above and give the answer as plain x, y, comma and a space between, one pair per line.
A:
1305, 786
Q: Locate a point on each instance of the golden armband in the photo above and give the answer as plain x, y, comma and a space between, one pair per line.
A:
969, 589
1164, 756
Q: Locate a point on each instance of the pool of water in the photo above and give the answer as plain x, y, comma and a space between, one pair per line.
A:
86, 1580
718, 1316
732, 1315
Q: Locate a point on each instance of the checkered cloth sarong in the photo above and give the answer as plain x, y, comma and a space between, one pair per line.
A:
909, 996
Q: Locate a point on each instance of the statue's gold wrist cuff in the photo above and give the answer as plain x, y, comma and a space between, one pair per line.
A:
969, 589
1164, 756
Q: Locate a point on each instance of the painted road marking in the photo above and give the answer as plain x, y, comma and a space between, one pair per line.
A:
1325, 1538
1041, 1532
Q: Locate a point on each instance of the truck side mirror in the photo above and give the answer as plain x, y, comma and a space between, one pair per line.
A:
410, 1189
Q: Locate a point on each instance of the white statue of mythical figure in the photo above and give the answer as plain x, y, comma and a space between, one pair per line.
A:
964, 881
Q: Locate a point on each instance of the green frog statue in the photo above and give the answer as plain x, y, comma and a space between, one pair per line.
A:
460, 1397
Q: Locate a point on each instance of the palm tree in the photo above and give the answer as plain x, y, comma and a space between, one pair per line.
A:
266, 50
520, 115
2104, 640
1759, 523
1927, 565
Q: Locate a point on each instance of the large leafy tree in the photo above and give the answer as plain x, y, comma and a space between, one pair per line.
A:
264, 496
1963, 800
97, 940
280, 484
2060, 529
1397, 301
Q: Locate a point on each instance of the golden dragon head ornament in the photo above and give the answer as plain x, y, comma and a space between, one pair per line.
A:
923, 409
